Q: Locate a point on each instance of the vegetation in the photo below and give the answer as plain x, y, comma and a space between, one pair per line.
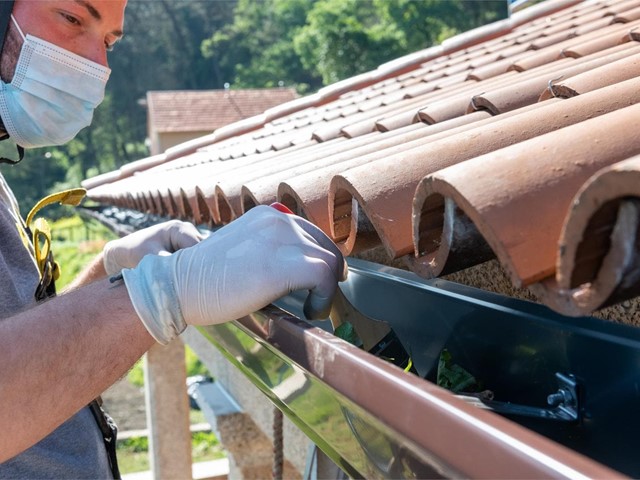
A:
204, 44
133, 453
75, 244
193, 364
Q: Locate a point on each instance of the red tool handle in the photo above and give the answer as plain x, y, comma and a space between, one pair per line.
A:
281, 208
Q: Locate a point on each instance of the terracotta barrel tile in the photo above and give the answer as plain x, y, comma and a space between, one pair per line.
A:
512, 50
593, 26
598, 257
619, 34
347, 112
446, 109
431, 76
581, 8
222, 192
519, 94
387, 205
609, 74
526, 37
484, 60
447, 106
537, 59
397, 85
399, 120
567, 48
347, 230
457, 68
621, 6
418, 89
308, 193
404, 84
559, 27
595, 15
494, 69
334, 128
451, 81
498, 191
369, 124
205, 174
554, 39
263, 188
506, 99
628, 16
508, 79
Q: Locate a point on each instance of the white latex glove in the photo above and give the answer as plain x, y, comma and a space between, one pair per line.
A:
162, 239
244, 266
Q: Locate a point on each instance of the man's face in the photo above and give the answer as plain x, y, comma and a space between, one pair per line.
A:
88, 28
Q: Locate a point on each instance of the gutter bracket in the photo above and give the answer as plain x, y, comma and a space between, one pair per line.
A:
566, 402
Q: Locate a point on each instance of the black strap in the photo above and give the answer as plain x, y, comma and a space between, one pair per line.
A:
6, 7
18, 147
109, 432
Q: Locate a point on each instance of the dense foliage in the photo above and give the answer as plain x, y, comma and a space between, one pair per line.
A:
205, 44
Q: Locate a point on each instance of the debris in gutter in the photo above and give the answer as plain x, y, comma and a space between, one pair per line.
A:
453, 377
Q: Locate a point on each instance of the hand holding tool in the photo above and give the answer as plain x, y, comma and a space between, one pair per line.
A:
377, 336
242, 267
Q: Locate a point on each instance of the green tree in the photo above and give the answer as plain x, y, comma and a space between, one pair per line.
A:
346, 37
428, 22
256, 50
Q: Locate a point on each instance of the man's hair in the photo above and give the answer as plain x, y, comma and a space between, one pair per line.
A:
6, 7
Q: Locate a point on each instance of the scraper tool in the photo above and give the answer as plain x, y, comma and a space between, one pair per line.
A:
377, 336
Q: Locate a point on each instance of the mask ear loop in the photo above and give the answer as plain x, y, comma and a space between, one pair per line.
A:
15, 22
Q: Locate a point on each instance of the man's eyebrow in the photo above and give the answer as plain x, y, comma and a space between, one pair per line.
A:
90, 8
93, 11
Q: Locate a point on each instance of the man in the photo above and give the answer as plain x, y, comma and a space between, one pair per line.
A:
57, 355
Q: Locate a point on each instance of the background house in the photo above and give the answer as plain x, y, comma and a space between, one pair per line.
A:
175, 117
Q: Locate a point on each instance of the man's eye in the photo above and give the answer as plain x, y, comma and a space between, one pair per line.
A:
71, 19
109, 46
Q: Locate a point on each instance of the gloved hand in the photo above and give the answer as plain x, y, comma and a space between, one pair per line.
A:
162, 239
239, 269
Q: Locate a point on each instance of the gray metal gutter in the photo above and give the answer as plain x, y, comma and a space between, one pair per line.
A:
376, 421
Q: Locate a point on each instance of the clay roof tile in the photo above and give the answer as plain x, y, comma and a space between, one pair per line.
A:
447, 157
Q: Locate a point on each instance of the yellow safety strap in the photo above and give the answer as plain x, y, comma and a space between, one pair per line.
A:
42, 232
71, 197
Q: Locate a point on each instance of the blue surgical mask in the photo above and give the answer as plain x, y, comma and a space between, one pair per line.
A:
52, 95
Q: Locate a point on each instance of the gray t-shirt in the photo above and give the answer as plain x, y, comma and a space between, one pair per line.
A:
76, 448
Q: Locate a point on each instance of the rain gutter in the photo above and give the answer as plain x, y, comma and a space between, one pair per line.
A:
565, 389
376, 421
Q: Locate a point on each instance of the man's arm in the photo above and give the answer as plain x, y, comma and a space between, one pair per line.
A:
91, 273
58, 356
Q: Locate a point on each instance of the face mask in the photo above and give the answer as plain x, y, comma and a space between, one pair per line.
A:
52, 95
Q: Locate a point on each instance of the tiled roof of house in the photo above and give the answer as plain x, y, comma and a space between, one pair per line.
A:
202, 110
517, 141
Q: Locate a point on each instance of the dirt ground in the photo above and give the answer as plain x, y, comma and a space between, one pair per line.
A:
125, 403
